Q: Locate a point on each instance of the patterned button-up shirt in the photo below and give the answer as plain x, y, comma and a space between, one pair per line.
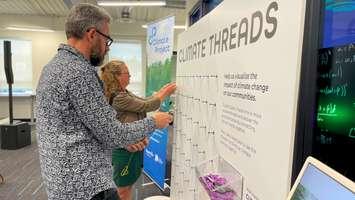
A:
77, 128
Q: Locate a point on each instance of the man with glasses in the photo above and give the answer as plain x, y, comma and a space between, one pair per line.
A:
76, 127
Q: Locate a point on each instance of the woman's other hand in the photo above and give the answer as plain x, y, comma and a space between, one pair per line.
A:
139, 146
166, 90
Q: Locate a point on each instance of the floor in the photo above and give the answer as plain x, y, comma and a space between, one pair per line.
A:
21, 171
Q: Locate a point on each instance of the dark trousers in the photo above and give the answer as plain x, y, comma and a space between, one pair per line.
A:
110, 194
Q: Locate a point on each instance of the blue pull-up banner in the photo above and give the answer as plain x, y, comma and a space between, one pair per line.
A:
155, 157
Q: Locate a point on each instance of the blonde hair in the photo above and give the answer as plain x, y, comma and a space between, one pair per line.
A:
109, 74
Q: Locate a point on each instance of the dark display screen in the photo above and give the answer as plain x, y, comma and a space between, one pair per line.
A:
336, 91
338, 22
334, 142
335, 129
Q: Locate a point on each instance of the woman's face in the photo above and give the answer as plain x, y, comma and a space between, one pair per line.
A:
123, 78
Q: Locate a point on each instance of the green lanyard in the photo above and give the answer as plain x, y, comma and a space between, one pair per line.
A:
125, 171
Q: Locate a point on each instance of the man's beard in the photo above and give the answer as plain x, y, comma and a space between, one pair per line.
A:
95, 58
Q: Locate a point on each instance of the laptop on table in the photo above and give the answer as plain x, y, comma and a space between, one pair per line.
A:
316, 181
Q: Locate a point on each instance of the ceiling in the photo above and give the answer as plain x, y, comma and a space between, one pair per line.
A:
60, 8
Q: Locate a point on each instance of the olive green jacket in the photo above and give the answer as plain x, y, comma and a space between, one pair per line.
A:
131, 108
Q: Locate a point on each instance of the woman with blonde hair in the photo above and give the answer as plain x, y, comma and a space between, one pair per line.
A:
128, 162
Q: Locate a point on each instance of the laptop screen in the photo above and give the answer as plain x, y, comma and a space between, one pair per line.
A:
316, 185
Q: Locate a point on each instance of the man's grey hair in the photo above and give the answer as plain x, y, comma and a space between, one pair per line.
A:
84, 16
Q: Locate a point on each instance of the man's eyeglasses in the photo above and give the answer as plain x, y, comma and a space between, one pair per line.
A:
109, 40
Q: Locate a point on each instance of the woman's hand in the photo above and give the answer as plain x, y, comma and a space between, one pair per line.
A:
139, 146
166, 90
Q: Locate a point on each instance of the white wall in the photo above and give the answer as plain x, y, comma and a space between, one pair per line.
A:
45, 46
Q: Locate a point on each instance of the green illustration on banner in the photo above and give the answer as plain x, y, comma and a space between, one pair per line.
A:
159, 74
159, 52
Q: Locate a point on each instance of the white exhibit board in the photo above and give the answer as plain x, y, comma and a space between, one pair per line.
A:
253, 48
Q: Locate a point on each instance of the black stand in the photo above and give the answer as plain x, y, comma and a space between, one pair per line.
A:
12, 135
11, 115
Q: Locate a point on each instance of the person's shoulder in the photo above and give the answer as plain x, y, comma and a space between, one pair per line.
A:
71, 59
121, 94
64, 61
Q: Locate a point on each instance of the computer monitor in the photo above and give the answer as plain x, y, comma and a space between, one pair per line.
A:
316, 181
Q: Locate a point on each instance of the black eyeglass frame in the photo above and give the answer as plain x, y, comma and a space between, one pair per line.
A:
109, 40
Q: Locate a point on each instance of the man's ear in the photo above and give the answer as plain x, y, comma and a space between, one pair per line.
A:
90, 34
